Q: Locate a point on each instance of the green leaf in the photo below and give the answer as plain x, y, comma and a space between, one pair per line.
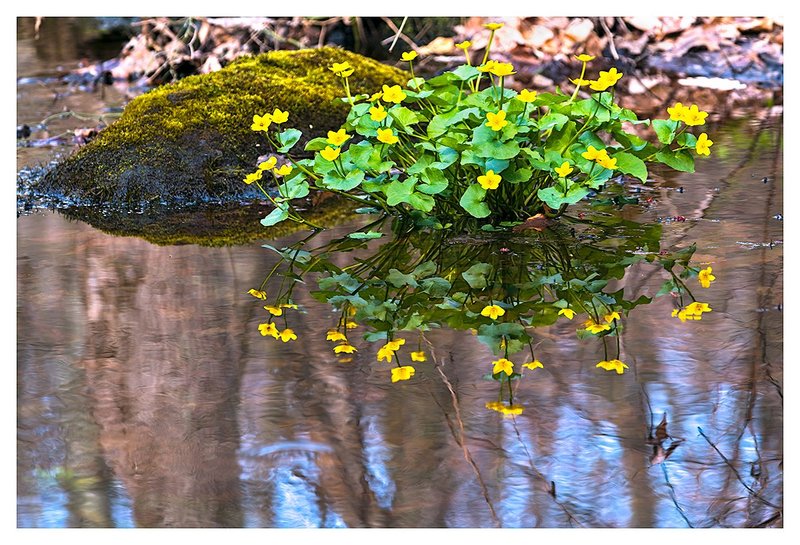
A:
296, 188
630, 164
554, 197
397, 191
317, 144
288, 139
517, 175
398, 279
497, 150
465, 72
334, 180
342, 280
435, 286
679, 160
665, 130
434, 181
476, 275
365, 236
472, 201
591, 108
551, 120
276, 216
439, 123
404, 116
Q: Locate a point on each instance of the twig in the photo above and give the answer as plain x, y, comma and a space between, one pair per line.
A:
735, 472
460, 437
672, 495
610, 38
399, 33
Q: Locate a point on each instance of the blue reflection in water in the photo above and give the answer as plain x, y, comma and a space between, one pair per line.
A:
515, 487
376, 453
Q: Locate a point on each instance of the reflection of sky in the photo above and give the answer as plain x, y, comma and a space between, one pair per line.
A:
376, 454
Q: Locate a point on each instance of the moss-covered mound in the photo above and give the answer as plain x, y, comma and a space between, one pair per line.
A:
191, 140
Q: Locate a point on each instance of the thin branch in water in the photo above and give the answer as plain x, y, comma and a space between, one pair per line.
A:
674, 499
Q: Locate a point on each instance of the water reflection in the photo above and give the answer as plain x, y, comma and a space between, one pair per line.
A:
148, 397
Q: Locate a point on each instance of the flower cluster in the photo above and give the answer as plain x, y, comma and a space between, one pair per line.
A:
693, 311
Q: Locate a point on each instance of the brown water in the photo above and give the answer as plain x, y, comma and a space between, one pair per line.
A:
147, 396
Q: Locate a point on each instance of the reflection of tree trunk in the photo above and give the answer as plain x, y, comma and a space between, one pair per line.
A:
164, 381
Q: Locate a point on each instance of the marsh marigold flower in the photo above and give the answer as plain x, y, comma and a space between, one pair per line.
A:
337, 138
501, 69
330, 153
611, 317
402, 373
283, 170
584, 57
493, 26
268, 329
564, 170
607, 162
395, 345
593, 327
503, 366
342, 69
612, 365
258, 294
279, 117
568, 312
703, 144
705, 277
287, 335
493, 311
252, 177
535, 364
581, 82
377, 113
526, 96
385, 353
464, 45
344, 348
268, 164
490, 180
693, 116
606, 80
387, 136
409, 56
393, 94
418, 356
335, 336
261, 122
676, 112
275, 311
496, 121
591, 153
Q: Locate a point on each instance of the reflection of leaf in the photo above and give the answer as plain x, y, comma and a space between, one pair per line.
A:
398, 279
435, 286
476, 275
368, 235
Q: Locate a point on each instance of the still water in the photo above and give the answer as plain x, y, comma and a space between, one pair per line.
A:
148, 398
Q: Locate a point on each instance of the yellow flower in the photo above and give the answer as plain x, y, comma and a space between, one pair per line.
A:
564, 170
464, 45
606, 80
496, 121
252, 177
585, 58
591, 154
330, 153
698, 308
607, 162
495, 406
501, 69
387, 136
611, 317
493, 26
512, 410
385, 353
395, 345
376, 96
535, 364
488, 66
393, 94
568, 312
409, 56
346, 348
402, 373
677, 112
288, 305
279, 117
351, 325
287, 335
377, 113
693, 116
493, 311
593, 327
268, 164
268, 329
258, 294
490, 180
337, 138
581, 82
692, 312
275, 311
342, 69
261, 122
503, 366
284, 170
612, 365
418, 356
526, 96
335, 336
705, 277
703, 144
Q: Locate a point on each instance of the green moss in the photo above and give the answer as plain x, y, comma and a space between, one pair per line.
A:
192, 139
227, 224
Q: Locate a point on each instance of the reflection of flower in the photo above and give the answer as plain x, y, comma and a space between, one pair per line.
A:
705, 277
402, 373
611, 317
275, 311
612, 365
258, 294
335, 336
287, 335
593, 327
346, 348
418, 356
568, 312
503, 366
693, 311
535, 364
508, 410
268, 329
493, 311
385, 353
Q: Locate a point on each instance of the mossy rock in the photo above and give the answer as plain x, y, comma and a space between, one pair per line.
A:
191, 140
